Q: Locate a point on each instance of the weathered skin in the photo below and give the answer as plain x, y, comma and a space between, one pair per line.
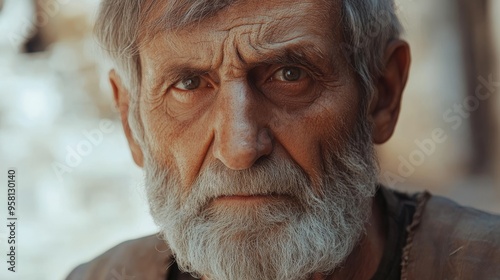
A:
244, 109
242, 113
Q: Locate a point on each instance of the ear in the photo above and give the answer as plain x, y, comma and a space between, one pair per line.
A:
121, 97
386, 102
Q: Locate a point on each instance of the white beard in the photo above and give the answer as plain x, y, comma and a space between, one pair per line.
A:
307, 229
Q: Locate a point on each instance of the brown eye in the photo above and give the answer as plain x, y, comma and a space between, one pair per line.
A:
190, 83
289, 74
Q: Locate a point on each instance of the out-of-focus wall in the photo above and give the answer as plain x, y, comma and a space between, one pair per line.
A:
496, 31
412, 159
435, 83
79, 192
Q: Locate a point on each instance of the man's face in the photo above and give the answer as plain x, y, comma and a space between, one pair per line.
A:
258, 156
260, 79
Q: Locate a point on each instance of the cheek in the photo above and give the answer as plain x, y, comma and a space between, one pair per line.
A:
190, 149
307, 136
180, 146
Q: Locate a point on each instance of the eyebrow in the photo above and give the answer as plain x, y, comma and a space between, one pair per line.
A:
298, 56
176, 73
308, 56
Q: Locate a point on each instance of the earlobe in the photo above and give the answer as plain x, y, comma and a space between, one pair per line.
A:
386, 102
121, 97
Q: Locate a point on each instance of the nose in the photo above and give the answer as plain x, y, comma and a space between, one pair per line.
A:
241, 135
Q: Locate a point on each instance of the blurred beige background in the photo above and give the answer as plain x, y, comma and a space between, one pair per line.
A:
80, 193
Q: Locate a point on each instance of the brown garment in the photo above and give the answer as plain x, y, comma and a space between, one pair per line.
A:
444, 241
146, 258
452, 242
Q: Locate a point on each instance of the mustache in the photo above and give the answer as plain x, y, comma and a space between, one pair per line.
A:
268, 176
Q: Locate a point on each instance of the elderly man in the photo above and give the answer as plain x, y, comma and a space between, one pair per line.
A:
255, 122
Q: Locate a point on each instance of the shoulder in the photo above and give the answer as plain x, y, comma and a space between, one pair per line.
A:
144, 258
449, 241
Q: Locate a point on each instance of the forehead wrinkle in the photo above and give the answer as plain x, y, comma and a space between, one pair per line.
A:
265, 37
158, 17
246, 42
179, 52
298, 46
259, 36
246, 21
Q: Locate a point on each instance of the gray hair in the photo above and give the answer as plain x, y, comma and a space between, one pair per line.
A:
122, 25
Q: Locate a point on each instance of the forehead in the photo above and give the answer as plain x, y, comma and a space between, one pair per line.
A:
274, 18
250, 30
158, 15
